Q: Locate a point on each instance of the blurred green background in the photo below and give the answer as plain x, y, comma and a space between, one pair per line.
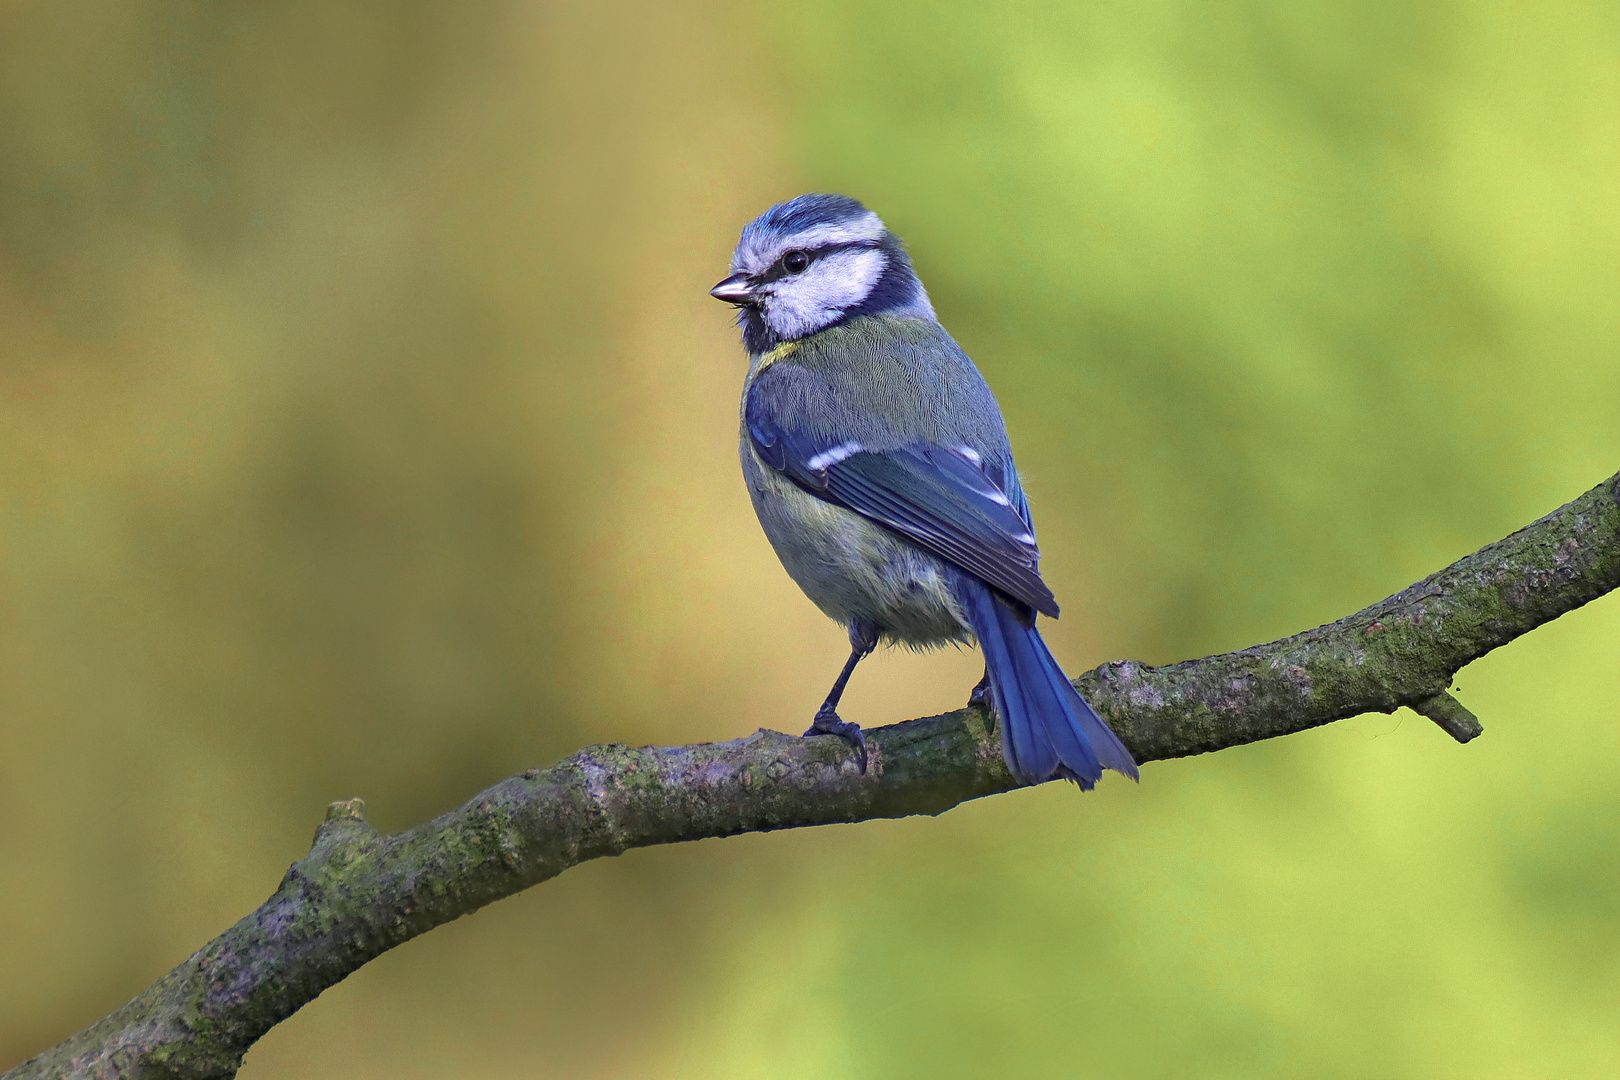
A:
365, 429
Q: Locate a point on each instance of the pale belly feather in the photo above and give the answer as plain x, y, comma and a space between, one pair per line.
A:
853, 568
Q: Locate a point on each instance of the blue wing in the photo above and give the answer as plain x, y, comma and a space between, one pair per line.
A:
943, 499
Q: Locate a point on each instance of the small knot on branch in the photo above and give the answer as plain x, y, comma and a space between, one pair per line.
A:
1452, 716
347, 810
343, 815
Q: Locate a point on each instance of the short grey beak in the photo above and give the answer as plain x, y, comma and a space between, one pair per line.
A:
734, 290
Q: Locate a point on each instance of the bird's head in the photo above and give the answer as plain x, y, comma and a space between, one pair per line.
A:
812, 262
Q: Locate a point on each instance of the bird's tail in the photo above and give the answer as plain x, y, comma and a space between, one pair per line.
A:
1047, 728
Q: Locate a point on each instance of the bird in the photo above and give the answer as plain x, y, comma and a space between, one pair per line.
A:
878, 463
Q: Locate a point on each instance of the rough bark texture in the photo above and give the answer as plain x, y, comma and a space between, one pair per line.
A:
358, 894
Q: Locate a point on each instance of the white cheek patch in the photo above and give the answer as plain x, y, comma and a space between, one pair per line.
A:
802, 304
828, 458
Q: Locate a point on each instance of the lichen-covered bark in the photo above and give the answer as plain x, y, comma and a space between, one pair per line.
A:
358, 894
1400, 651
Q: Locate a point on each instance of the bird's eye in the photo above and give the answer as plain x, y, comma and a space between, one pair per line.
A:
794, 262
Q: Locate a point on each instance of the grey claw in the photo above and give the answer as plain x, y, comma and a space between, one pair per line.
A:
827, 722
981, 695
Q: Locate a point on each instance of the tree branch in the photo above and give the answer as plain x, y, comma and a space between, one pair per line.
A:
358, 894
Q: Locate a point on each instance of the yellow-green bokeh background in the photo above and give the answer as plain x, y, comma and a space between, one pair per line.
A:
365, 430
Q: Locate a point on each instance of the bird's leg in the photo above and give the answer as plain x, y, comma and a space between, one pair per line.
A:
980, 695
863, 638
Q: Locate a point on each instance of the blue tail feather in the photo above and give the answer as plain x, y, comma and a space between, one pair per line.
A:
1047, 728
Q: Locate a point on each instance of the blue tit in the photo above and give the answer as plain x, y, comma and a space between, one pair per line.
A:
879, 466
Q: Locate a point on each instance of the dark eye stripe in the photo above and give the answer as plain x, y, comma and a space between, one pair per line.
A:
778, 271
